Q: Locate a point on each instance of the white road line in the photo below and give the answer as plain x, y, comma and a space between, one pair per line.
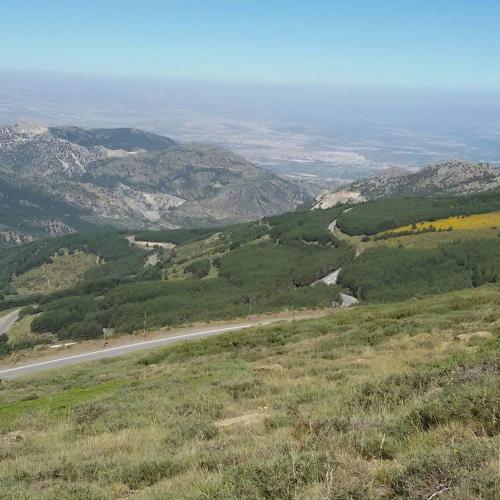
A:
104, 353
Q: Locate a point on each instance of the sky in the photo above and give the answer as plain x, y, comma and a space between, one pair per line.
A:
428, 43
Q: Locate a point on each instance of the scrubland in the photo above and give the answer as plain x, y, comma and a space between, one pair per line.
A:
383, 401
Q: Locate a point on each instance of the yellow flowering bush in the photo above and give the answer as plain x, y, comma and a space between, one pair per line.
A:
461, 222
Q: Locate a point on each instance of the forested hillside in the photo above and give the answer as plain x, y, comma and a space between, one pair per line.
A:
389, 273
461, 258
212, 274
171, 277
380, 215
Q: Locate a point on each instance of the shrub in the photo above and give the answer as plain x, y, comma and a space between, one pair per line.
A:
82, 331
147, 473
5, 347
199, 268
453, 468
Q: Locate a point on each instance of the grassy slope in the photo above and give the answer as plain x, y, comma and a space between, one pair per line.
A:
375, 402
63, 272
188, 253
421, 240
21, 336
489, 220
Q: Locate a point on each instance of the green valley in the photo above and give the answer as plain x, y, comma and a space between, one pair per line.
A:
82, 283
394, 398
230, 272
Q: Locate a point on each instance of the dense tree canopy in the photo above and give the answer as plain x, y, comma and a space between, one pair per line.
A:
388, 273
380, 215
254, 267
262, 266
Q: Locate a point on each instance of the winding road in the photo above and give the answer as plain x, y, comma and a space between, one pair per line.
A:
111, 352
332, 278
8, 320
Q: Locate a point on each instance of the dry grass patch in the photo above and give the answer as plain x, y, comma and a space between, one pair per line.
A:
21, 336
63, 272
378, 402
248, 418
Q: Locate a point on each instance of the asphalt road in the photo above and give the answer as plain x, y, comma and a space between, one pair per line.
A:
110, 352
8, 320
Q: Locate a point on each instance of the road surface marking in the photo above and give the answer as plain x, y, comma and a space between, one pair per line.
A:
103, 353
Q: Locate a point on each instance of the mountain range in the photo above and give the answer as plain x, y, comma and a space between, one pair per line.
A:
450, 177
59, 179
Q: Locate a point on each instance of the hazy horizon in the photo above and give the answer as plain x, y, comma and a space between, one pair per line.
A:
329, 90
335, 133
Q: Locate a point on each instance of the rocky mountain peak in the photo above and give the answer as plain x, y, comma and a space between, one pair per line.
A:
448, 177
390, 172
30, 128
132, 178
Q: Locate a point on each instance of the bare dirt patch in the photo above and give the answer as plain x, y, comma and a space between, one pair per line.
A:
249, 418
467, 337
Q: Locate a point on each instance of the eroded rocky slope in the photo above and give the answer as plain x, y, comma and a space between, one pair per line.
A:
130, 178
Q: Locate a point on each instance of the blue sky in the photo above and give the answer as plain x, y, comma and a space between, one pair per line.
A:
439, 43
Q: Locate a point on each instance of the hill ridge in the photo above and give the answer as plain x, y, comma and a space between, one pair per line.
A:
126, 177
448, 177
